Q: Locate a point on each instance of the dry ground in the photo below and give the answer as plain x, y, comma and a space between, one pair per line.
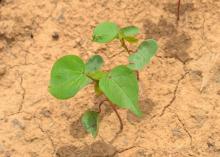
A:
180, 90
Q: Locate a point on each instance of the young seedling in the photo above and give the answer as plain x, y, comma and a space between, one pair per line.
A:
70, 74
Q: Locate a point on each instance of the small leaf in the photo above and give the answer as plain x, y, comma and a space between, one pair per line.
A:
121, 87
131, 39
67, 77
90, 121
94, 63
145, 52
130, 31
96, 75
105, 32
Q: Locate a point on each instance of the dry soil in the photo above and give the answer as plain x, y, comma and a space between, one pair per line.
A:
179, 90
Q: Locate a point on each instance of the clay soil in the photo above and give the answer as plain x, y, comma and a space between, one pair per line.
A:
179, 90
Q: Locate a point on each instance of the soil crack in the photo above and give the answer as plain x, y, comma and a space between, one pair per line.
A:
48, 137
23, 93
123, 150
185, 129
174, 94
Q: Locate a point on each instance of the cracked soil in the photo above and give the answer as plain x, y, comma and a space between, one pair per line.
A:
179, 90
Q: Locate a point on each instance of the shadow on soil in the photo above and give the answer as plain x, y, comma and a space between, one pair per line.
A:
177, 43
97, 149
146, 106
76, 128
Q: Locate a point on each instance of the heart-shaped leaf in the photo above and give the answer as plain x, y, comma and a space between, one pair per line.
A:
121, 87
130, 31
105, 32
90, 121
94, 63
68, 77
145, 52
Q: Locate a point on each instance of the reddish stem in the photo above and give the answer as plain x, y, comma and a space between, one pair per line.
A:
100, 105
178, 10
138, 75
119, 117
124, 46
115, 110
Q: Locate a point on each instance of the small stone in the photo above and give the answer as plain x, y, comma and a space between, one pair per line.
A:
55, 36
32, 36
218, 92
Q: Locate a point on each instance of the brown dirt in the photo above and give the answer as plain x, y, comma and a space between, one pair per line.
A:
180, 90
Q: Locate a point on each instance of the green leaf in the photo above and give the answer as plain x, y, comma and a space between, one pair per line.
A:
105, 32
145, 52
96, 75
131, 39
121, 87
94, 63
130, 31
67, 77
90, 121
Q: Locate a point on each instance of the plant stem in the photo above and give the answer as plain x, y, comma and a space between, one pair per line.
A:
119, 117
129, 52
125, 46
114, 109
100, 105
138, 75
178, 10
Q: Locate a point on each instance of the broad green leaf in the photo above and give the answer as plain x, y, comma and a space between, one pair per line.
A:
130, 31
145, 52
97, 75
131, 39
105, 32
90, 121
94, 63
121, 87
67, 77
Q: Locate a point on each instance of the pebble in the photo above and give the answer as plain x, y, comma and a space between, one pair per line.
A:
55, 36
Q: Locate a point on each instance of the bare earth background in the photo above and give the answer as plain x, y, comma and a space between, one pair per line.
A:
180, 89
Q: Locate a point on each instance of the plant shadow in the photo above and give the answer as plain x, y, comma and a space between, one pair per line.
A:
176, 43
97, 149
76, 127
77, 130
146, 106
